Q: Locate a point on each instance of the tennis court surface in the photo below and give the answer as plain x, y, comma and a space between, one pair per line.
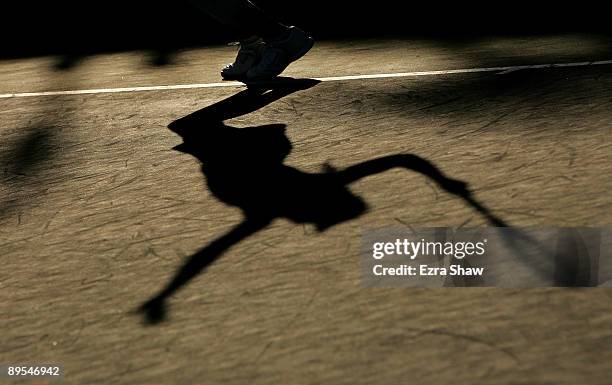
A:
97, 211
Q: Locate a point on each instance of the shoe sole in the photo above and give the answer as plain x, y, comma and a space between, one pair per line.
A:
233, 77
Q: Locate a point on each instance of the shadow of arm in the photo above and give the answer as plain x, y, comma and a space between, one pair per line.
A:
409, 162
424, 167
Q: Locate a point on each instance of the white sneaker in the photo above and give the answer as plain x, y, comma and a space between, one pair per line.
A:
249, 54
278, 54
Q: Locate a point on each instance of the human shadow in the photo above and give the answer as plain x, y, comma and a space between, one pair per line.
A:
244, 167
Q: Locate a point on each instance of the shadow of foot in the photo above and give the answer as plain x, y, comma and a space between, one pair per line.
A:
154, 311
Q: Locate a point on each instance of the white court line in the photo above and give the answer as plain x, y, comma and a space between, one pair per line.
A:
502, 70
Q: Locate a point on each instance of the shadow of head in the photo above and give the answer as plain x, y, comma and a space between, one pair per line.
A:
222, 146
206, 136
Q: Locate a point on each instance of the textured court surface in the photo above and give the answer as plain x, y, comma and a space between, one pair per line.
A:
97, 211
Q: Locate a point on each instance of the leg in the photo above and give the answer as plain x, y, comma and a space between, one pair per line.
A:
243, 16
267, 47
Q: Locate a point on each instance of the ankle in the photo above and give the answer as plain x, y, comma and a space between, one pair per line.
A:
281, 33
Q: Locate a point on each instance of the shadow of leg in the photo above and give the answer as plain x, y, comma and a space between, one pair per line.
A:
154, 310
242, 103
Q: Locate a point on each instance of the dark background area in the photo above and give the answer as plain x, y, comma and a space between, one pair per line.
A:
71, 27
